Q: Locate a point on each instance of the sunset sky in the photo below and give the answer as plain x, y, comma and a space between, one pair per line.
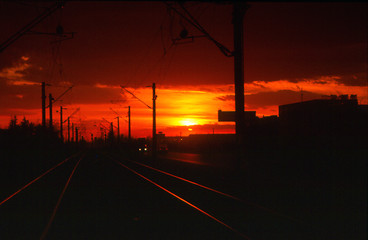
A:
320, 48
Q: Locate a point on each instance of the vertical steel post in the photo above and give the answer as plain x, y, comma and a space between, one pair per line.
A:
61, 124
118, 130
68, 129
154, 137
239, 9
112, 130
129, 130
50, 106
43, 92
73, 132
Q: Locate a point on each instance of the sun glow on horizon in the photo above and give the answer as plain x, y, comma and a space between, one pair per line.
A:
188, 122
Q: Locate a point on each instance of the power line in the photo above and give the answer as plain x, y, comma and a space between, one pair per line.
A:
196, 24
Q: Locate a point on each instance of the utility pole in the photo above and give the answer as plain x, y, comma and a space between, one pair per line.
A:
129, 129
111, 133
118, 130
68, 129
154, 137
50, 105
61, 124
239, 9
43, 105
76, 134
72, 132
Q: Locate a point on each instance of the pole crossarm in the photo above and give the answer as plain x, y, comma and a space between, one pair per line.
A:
136, 97
30, 25
71, 115
58, 98
196, 24
115, 112
108, 122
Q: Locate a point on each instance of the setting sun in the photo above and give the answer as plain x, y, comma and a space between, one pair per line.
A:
188, 122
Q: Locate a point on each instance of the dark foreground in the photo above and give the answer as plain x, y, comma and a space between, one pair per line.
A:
111, 197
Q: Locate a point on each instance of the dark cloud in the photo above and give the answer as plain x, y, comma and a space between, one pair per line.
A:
226, 98
95, 95
120, 42
293, 41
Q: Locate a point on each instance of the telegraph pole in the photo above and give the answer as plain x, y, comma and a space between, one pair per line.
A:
72, 132
154, 137
118, 130
61, 124
129, 130
50, 106
239, 9
68, 129
43, 105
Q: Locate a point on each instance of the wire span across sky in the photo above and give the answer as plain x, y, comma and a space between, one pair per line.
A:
291, 49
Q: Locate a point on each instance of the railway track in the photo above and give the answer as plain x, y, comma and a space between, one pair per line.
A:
244, 219
102, 196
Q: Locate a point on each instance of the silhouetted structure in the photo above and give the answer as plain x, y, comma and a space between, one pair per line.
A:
229, 116
334, 116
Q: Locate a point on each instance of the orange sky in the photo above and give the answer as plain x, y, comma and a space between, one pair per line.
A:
182, 109
289, 47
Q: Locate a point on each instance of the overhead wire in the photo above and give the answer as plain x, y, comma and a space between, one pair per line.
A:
170, 60
196, 24
140, 64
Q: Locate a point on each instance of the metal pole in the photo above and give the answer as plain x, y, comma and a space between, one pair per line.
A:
61, 124
72, 132
154, 137
112, 130
43, 105
129, 132
50, 106
239, 9
68, 129
118, 130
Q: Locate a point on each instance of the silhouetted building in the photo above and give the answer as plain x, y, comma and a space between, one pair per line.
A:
332, 116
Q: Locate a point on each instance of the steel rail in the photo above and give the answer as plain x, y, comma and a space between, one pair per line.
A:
185, 201
36, 179
188, 181
219, 192
45, 231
